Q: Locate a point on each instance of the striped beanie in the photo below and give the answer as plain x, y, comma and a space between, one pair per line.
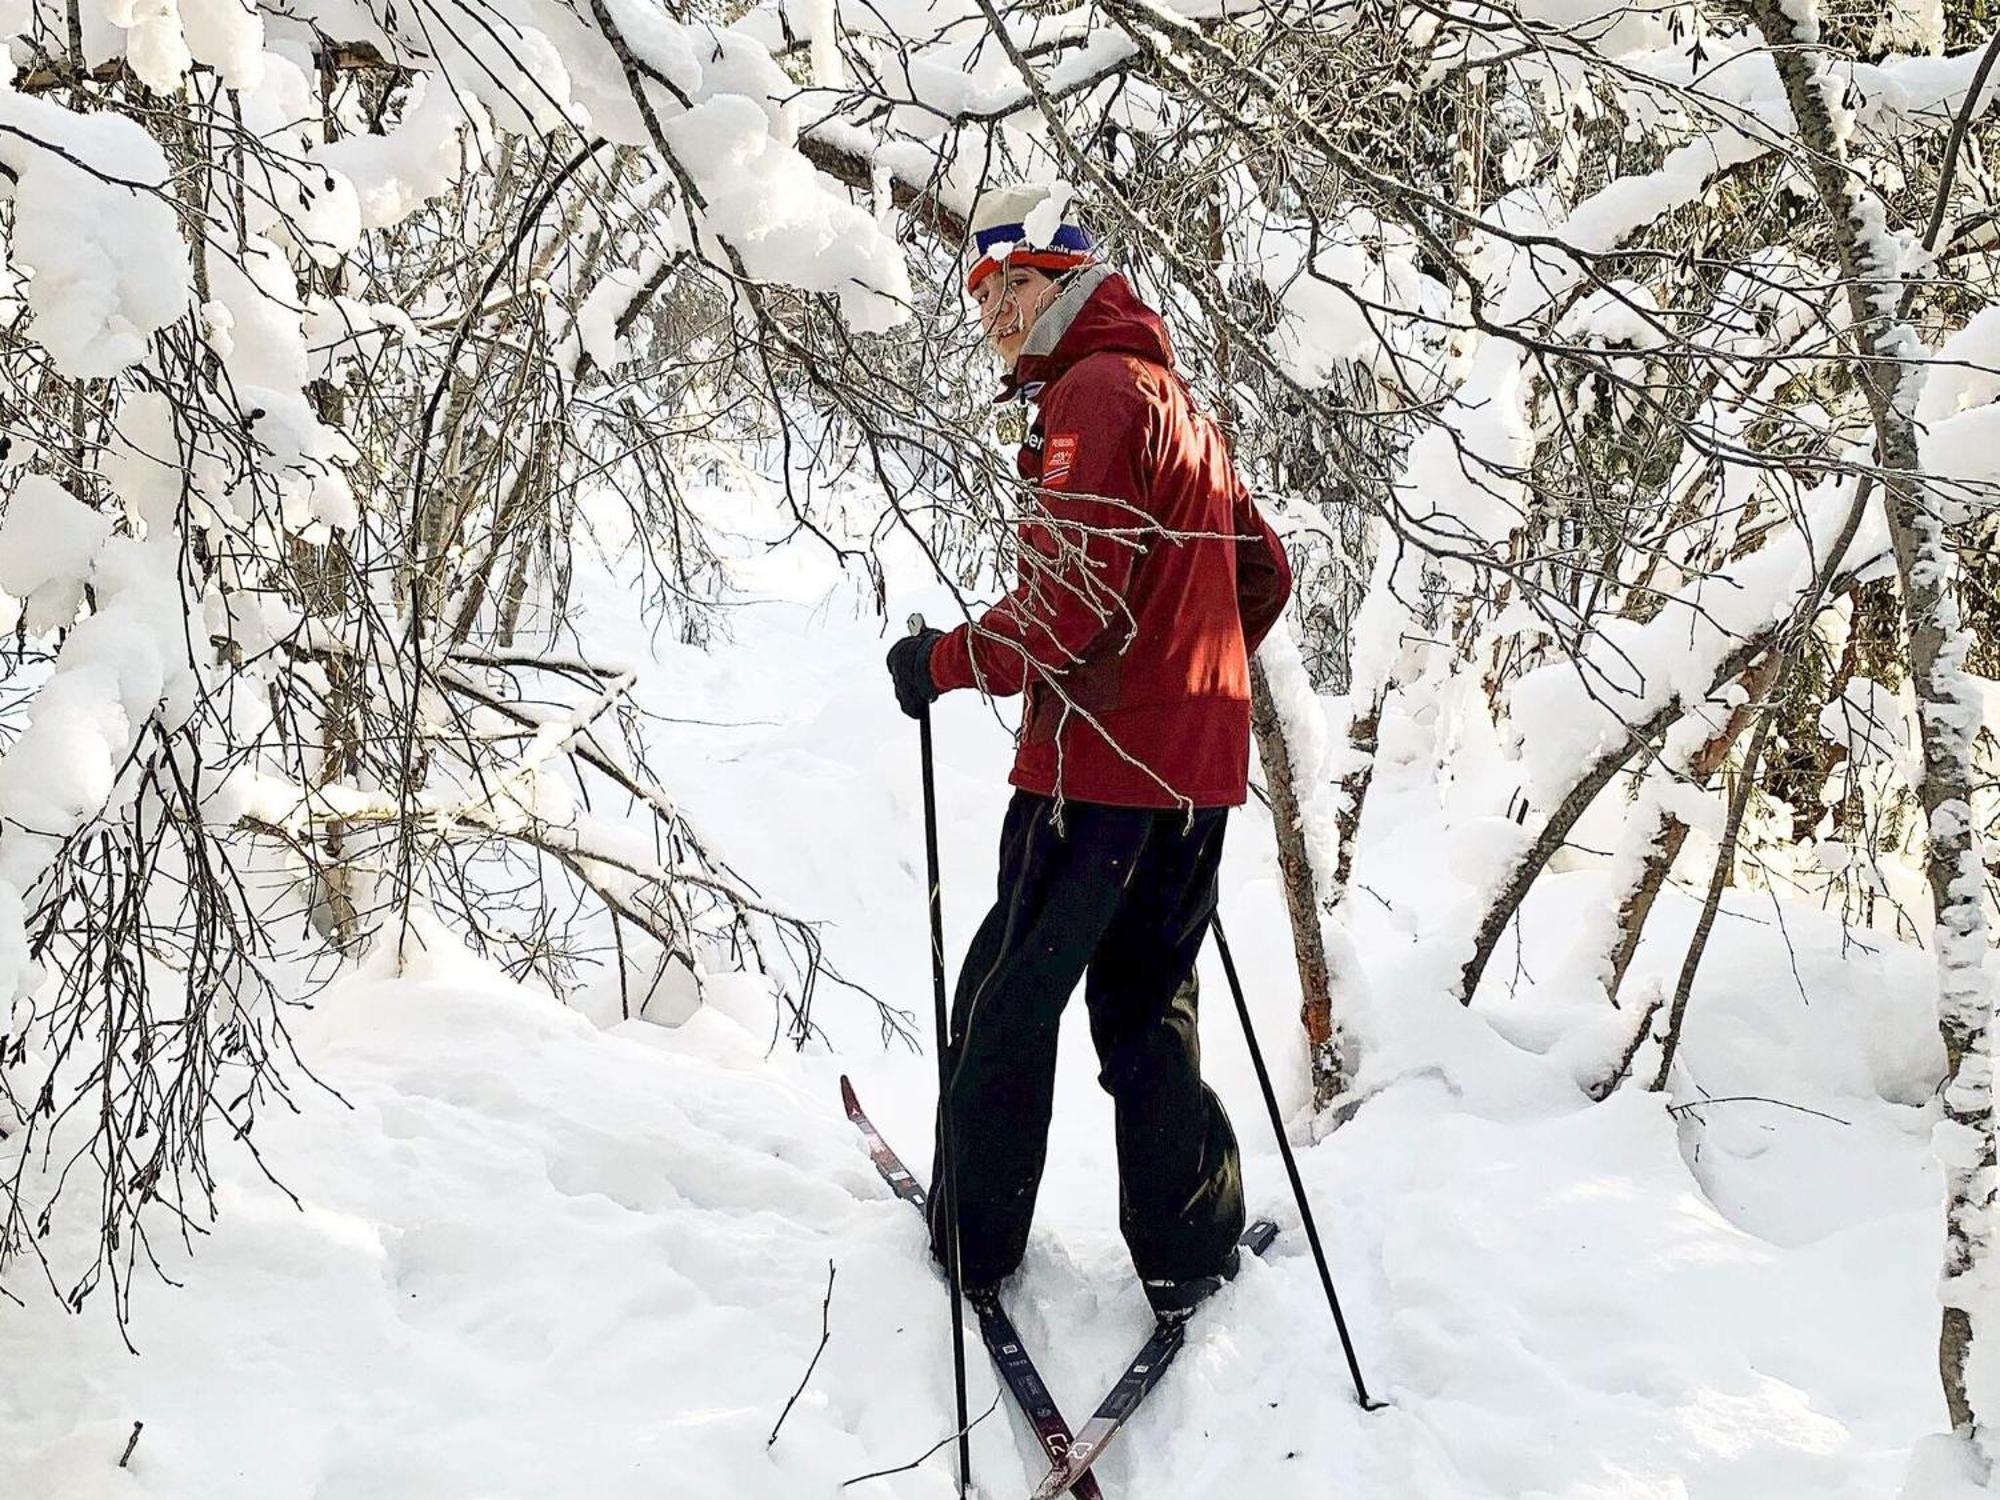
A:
1020, 226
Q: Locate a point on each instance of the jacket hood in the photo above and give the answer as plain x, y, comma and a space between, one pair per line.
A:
1097, 313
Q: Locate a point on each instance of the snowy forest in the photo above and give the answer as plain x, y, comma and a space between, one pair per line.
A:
461, 465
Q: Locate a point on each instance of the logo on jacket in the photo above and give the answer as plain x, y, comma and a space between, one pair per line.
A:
1058, 459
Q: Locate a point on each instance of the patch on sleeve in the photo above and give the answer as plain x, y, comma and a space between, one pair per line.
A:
1058, 458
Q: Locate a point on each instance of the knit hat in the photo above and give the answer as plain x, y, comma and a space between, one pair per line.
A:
1026, 224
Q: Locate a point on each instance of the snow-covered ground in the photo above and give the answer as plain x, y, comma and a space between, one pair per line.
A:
542, 1252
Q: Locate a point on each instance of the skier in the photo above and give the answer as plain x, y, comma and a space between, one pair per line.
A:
1146, 576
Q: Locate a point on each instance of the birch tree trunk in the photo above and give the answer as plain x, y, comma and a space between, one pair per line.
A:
1890, 369
1302, 899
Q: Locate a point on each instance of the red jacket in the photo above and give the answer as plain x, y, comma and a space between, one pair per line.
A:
1146, 576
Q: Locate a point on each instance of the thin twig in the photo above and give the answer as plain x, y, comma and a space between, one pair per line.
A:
949, 1437
1677, 1110
825, 1332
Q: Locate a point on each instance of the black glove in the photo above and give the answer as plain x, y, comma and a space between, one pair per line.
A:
910, 670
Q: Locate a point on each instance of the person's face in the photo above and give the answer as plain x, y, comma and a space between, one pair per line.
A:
1009, 302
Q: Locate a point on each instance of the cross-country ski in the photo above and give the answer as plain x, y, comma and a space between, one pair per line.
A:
1140, 1376
1010, 1356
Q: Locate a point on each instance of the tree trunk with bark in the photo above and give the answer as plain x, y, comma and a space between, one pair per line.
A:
1637, 904
1889, 368
1302, 896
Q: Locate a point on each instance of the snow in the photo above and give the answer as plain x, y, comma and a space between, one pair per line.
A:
822, 26
1618, 313
597, 319
1746, 117
769, 205
1572, 711
155, 46
1046, 217
1911, 26
1610, 27
118, 671
543, 1251
1959, 432
1866, 720
394, 175
1352, 295
227, 35
99, 232
48, 539
258, 290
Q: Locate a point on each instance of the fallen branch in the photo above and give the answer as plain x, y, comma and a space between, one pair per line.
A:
825, 1332
950, 1437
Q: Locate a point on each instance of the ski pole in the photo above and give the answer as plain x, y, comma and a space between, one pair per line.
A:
947, 1163
1368, 1403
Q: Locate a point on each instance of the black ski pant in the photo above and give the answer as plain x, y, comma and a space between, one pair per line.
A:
1123, 896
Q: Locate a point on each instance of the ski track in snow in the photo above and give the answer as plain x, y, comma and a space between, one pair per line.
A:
547, 1253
